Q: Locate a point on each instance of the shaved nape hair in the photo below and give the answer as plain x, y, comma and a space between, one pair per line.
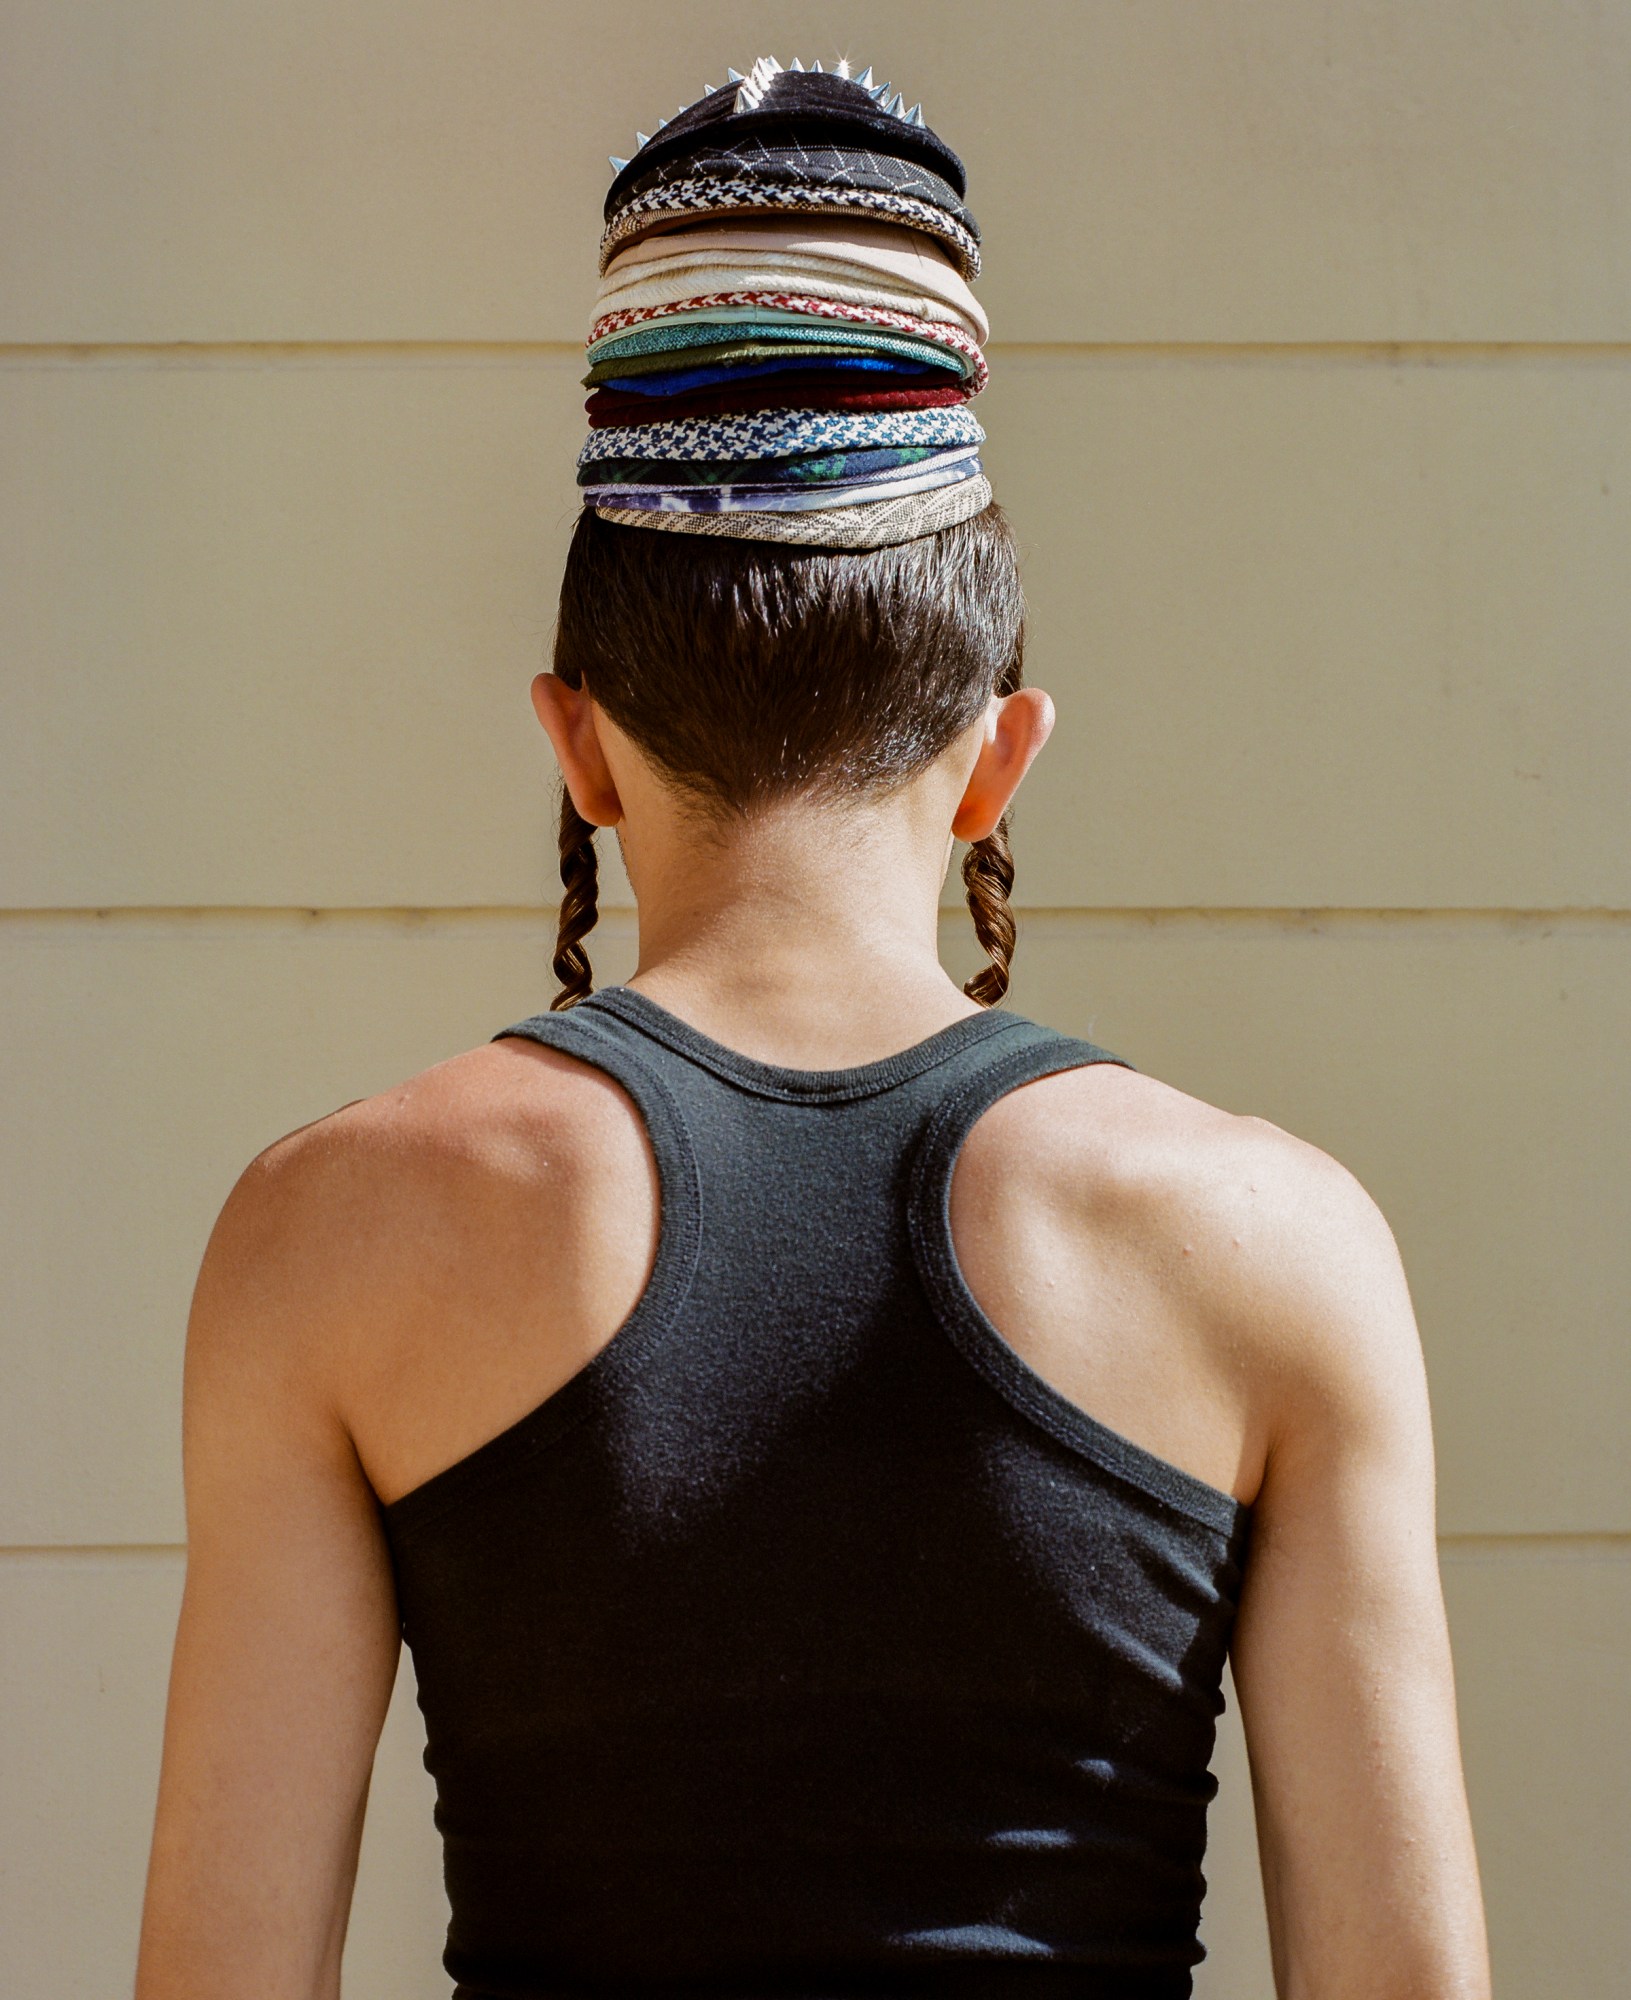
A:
749, 672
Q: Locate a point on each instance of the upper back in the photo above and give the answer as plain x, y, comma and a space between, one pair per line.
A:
511, 1199
752, 1528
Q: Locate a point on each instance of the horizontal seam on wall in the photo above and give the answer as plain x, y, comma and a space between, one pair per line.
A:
1608, 1542
1473, 1547
51, 1551
1293, 914
261, 353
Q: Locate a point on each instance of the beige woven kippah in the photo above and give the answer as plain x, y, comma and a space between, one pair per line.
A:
873, 526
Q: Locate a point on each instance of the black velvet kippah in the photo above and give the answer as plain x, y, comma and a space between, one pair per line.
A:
794, 104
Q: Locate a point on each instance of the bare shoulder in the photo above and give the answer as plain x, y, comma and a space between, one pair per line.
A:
358, 1219
1273, 1247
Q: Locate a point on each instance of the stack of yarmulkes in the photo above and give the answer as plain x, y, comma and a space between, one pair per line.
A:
785, 342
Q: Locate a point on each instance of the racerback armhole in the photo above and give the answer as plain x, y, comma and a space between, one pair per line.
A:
679, 1235
976, 1336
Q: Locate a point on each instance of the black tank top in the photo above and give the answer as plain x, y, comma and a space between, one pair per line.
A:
807, 1641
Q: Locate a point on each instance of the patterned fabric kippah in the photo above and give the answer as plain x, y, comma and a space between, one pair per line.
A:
874, 526
607, 407
741, 197
840, 167
802, 370
880, 257
847, 464
665, 348
771, 433
788, 249
719, 308
796, 499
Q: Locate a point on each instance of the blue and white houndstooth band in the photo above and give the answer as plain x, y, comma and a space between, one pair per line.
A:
780, 433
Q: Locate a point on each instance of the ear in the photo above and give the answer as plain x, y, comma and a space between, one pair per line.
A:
1015, 728
568, 716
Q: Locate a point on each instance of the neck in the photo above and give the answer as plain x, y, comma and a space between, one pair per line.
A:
803, 936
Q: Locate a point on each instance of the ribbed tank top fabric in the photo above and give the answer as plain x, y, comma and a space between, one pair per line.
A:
807, 1641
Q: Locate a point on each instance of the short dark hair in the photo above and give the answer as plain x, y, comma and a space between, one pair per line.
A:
750, 671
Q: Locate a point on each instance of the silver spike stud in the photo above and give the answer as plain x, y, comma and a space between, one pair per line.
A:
881, 95
816, 66
750, 92
640, 139
708, 89
617, 164
796, 64
865, 78
841, 68
915, 115
734, 75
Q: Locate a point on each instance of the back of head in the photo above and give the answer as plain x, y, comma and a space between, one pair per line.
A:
789, 579
752, 672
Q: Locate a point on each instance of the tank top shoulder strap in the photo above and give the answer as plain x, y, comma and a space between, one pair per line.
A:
593, 1037
996, 1067
1001, 1063
991, 1070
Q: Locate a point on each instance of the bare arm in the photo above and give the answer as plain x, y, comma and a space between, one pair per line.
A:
1341, 1656
288, 1639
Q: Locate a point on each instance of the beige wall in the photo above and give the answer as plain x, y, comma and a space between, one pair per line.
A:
1312, 402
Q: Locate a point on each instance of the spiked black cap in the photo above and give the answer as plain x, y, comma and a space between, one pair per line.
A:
813, 106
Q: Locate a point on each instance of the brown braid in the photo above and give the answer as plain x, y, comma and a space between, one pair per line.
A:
580, 877
988, 875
